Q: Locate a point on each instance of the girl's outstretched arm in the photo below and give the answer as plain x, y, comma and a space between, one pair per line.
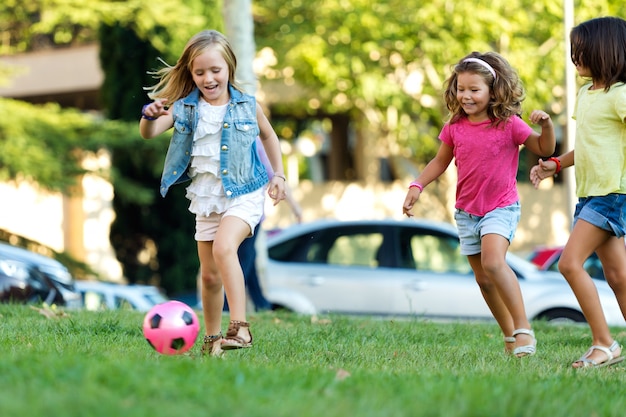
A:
155, 119
433, 170
550, 167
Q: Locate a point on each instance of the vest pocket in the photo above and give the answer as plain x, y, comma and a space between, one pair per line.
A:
247, 129
181, 131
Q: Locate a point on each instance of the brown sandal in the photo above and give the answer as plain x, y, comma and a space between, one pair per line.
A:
212, 345
233, 340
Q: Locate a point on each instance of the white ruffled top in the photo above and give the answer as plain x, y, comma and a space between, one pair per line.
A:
206, 191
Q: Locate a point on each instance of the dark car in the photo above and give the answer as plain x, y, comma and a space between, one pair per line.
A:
28, 277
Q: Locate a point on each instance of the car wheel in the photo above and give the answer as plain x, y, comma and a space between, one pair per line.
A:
562, 315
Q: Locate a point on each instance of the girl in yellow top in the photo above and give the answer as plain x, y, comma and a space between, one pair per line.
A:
599, 53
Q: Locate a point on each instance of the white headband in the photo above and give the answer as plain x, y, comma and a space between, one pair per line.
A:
483, 63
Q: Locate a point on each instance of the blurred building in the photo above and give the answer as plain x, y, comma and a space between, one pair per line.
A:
70, 76
79, 225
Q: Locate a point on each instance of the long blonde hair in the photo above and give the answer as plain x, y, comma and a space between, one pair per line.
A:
176, 82
507, 92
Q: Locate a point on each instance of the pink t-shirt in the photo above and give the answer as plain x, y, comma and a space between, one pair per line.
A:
486, 159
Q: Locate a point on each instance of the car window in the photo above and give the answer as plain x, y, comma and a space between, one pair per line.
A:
438, 254
356, 250
593, 266
122, 303
298, 249
94, 301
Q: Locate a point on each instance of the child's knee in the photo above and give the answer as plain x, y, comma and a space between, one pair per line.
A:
616, 278
484, 283
567, 267
210, 280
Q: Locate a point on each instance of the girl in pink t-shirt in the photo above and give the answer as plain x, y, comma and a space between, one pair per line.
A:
483, 135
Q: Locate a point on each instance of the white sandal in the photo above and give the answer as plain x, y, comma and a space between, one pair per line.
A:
592, 363
526, 350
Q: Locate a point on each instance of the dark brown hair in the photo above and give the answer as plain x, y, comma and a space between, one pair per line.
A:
600, 46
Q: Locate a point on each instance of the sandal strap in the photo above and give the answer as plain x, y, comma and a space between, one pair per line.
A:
211, 345
211, 338
523, 331
240, 340
509, 339
526, 350
607, 351
233, 340
233, 328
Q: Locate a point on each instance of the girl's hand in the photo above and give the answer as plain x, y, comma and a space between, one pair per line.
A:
276, 189
542, 171
155, 109
540, 117
411, 198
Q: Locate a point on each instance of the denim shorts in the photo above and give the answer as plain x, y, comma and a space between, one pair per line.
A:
502, 221
607, 212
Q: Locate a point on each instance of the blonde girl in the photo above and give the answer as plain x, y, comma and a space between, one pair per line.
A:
213, 145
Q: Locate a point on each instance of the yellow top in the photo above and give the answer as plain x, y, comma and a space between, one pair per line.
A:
600, 148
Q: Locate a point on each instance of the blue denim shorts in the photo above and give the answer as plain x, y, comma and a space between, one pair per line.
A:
607, 212
502, 221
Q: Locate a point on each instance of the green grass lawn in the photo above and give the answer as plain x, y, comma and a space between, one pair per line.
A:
98, 364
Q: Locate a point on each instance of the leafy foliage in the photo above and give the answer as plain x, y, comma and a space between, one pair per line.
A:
43, 145
40, 24
388, 60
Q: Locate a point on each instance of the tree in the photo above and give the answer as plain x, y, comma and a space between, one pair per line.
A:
385, 62
152, 235
239, 29
154, 238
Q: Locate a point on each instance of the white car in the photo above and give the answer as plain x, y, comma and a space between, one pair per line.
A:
405, 267
99, 296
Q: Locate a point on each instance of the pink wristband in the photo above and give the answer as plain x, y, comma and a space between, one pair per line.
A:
417, 185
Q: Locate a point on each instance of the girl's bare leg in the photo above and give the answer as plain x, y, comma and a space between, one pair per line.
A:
211, 289
612, 254
586, 238
493, 260
493, 300
230, 233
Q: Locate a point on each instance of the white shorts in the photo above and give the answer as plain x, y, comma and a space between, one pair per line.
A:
248, 208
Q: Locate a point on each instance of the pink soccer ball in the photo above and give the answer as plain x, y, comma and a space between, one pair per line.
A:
171, 328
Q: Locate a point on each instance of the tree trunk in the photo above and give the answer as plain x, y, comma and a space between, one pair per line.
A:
239, 28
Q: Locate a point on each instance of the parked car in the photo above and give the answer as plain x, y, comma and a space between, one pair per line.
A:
98, 295
547, 259
28, 277
405, 267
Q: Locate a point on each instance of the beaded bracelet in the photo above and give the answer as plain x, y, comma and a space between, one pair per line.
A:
417, 185
558, 164
143, 113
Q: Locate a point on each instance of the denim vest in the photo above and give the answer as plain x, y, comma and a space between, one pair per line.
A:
241, 169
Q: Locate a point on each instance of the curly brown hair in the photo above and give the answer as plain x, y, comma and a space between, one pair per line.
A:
507, 92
